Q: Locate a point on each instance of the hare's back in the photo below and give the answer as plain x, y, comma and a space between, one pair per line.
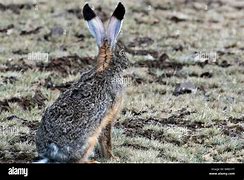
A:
75, 115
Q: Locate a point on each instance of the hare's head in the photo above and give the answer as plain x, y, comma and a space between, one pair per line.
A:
110, 55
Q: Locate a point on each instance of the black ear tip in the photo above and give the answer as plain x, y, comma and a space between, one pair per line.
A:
120, 4
88, 12
86, 7
119, 12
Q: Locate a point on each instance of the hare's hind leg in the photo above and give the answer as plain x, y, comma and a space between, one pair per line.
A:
105, 139
87, 152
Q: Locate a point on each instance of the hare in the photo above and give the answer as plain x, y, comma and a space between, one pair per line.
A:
83, 115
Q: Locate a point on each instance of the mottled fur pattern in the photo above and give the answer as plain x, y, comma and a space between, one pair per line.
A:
75, 117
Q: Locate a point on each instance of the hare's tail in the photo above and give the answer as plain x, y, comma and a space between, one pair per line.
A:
53, 154
41, 160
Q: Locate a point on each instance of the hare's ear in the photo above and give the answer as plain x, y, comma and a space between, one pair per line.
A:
95, 25
115, 24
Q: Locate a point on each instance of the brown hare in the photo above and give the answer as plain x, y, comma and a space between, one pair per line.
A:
83, 114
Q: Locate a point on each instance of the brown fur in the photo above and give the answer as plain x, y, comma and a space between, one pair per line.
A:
105, 137
104, 57
106, 143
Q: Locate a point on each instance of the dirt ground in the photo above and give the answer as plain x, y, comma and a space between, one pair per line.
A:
185, 87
